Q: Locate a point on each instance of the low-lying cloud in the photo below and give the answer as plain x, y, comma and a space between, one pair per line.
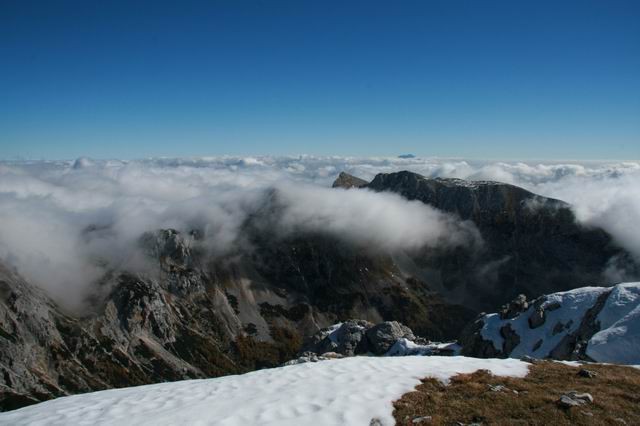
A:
46, 209
45, 206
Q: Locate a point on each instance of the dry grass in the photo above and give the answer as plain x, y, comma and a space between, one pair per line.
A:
468, 398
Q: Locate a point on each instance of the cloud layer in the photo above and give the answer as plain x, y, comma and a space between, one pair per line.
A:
45, 206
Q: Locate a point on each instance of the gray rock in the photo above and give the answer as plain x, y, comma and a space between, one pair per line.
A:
351, 337
529, 359
473, 344
422, 419
348, 340
497, 388
309, 357
511, 339
384, 335
537, 318
589, 374
346, 181
574, 399
515, 307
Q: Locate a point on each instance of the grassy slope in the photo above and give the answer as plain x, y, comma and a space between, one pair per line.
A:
468, 399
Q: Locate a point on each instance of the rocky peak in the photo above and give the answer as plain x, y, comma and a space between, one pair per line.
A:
346, 181
170, 247
475, 200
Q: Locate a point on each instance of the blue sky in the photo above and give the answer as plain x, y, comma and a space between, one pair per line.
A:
501, 80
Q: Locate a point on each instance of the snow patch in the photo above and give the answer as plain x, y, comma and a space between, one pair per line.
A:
348, 391
405, 347
618, 340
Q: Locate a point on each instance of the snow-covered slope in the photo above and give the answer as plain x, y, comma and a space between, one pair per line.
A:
350, 391
601, 323
619, 336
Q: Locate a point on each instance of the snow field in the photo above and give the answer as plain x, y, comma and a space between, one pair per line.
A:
348, 391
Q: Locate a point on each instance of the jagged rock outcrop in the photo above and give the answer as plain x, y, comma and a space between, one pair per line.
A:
346, 181
383, 336
358, 337
591, 323
515, 307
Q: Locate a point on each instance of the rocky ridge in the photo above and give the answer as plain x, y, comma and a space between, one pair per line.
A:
589, 324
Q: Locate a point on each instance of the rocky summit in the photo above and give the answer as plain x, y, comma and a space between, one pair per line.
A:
346, 181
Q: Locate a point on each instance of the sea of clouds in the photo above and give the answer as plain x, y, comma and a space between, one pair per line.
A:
46, 206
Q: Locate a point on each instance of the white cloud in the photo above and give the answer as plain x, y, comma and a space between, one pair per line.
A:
44, 206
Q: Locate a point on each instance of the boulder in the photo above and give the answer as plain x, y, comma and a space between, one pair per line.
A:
574, 399
589, 374
384, 335
355, 337
537, 317
347, 339
351, 337
511, 339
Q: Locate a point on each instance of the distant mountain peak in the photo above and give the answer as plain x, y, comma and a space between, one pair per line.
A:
345, 180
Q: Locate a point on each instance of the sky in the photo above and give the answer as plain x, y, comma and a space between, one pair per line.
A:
505, 80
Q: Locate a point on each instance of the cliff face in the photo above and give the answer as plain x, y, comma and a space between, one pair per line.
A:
533, 245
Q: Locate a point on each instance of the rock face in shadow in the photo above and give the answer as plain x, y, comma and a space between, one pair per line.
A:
532, 245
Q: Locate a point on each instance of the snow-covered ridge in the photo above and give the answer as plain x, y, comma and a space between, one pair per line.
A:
350, 391
576, 321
